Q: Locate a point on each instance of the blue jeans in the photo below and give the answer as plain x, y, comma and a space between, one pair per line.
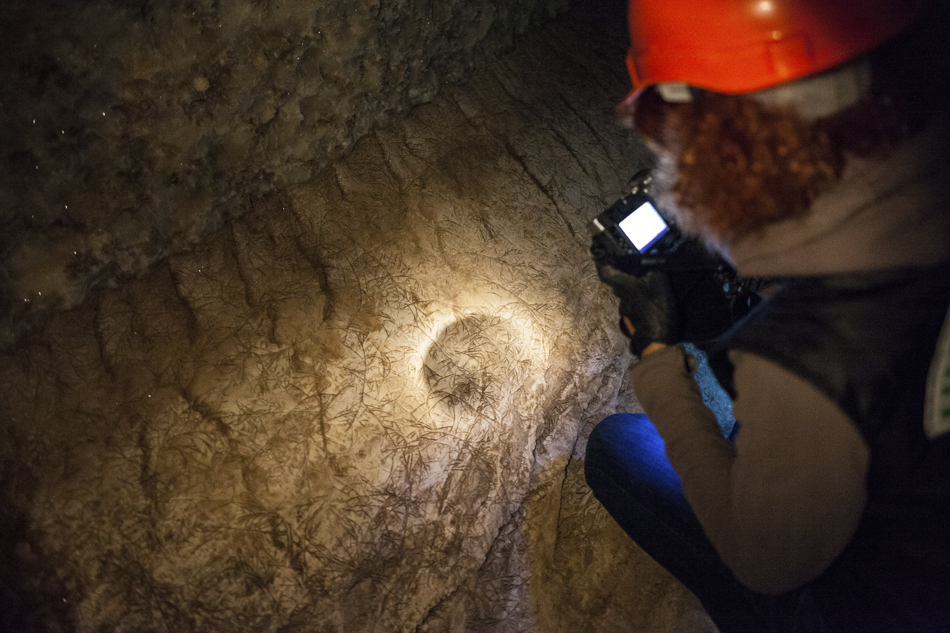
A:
627, 469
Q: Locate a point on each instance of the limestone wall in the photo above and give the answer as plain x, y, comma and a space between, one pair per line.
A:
360, 401
132, 129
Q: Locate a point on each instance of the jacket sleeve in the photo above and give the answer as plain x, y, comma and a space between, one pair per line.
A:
782, 501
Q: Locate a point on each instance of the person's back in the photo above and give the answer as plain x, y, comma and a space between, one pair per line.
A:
830, 507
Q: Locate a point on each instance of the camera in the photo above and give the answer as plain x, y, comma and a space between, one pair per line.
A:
636, 238
633, 236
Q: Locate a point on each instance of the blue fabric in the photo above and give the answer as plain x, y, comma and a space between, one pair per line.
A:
627, 469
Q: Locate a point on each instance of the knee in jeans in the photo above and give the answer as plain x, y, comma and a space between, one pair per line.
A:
611, 434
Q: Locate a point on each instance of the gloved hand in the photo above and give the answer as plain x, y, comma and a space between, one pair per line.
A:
670, 306
647, 300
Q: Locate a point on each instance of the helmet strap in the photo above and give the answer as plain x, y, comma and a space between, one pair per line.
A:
675, 92
821, 95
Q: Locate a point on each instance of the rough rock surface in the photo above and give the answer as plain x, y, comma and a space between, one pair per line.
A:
131, 129
362, 405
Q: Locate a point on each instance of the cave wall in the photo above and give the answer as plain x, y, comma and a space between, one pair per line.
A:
359, 400
132, 129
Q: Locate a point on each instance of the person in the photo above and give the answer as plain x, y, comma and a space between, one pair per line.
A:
806, 141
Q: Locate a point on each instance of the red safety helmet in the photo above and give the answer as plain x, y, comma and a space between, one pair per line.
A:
736, 46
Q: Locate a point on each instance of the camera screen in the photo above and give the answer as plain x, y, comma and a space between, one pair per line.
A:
644, 226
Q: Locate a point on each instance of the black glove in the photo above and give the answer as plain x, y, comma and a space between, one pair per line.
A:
647, 300
705, 310
668, 306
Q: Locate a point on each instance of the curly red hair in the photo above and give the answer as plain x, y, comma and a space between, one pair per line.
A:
742, 164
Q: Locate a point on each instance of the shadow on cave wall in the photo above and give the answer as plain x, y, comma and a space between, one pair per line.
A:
134, 129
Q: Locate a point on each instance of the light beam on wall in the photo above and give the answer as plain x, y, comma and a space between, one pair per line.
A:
474, 357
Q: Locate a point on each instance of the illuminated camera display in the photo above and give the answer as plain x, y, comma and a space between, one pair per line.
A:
635, 235
644, 227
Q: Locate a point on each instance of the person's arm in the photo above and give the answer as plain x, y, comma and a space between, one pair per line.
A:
782, 502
